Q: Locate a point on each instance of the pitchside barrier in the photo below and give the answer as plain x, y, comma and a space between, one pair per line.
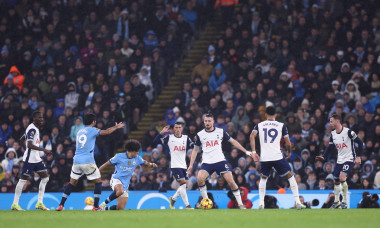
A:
159, 200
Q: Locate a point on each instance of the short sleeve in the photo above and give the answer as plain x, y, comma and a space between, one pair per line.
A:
284, 131
113, 160
96, 131
190, 143
226, 136
256, 129
30, 134
141, 161
352, 135
198, 141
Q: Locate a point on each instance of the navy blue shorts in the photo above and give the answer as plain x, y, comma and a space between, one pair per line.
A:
29, 168
179, 173
343, 168
281, 166
219, 167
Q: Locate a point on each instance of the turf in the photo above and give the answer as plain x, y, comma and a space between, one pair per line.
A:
193, 218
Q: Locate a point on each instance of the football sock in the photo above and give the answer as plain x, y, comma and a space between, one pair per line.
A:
110, 208
344, 191
111, 197
97, 193
237, 195
294, 188
337, 188
68, 189
18, 190
203, 190
183, 193
177, 193
262, 187
41, 189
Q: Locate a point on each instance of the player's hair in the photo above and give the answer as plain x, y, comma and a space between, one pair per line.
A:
132, 145
209, 114
271, 111
35, 113
89, 118
335, 116
179, 123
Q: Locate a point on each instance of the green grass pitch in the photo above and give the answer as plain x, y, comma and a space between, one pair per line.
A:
193, 218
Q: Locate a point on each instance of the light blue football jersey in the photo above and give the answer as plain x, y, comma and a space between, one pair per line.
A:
124, 167
84, 153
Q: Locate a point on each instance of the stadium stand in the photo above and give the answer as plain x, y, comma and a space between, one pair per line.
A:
148, 63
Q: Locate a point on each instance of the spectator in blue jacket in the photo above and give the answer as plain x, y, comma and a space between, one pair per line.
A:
217, 78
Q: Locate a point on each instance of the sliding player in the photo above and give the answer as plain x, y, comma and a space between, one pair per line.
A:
84, 162
125, 164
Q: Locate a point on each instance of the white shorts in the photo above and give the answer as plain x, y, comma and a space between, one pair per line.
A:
90, 170
114, 182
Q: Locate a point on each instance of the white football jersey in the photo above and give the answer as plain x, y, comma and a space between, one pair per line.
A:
211, 143
344, 143
270, 134
32, 134
178, 147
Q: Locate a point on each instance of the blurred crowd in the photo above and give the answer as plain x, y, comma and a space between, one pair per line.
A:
307, 58
68, 58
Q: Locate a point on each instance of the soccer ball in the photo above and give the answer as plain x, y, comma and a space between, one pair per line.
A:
89, 201
206, 204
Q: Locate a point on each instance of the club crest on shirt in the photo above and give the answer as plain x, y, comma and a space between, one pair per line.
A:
134, 163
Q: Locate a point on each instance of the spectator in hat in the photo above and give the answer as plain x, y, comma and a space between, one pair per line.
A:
16, 79
10, 160
217, 78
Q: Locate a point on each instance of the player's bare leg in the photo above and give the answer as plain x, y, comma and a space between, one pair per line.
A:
294, 188
235, 189
342, 179
181, 191
20, 185
202, 176
121, 203
41, 190
262, 189
66, 193
118, 191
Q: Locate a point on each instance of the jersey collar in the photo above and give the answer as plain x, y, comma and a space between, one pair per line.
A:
210, 131
340, 131
177, 137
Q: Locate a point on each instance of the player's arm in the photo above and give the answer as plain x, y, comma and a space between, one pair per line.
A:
150, 164
159, 138
111, 129
29, 142
33, 147
252, 138
22, 142
357, 140
108, 163
193, 157
287, 141
327, 151
288, 147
